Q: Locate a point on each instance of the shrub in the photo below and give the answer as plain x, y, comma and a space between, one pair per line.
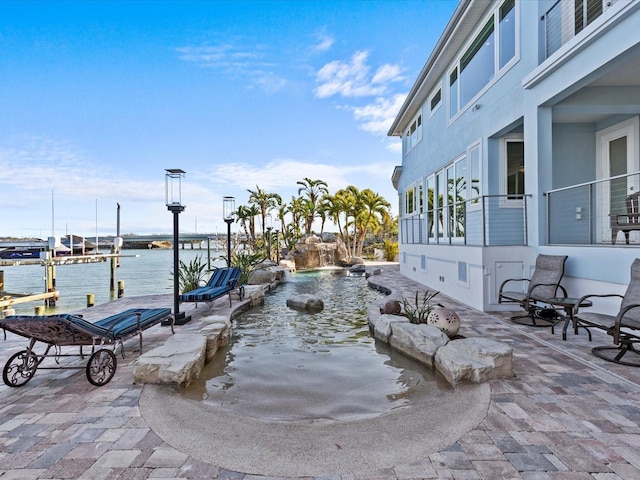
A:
420, 309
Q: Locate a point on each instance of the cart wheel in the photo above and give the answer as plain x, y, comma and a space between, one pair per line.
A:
101, 367
20, 368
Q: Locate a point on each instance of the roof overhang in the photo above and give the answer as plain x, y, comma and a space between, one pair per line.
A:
457, 31
395, 177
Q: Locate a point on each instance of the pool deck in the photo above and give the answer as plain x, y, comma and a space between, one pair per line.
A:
565, 415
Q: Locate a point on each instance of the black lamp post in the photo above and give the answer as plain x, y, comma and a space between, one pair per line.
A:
269, 224
228, 212
173, 200
277, 228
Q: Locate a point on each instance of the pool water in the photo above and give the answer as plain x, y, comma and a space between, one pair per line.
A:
282, 364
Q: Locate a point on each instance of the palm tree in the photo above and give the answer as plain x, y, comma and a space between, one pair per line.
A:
265, 202
371, 209
313, 190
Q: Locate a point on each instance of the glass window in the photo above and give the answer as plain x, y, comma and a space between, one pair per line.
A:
435, 100
410, 201
453, 92
515, 169
507, 26
474, 166
420, 199
477, 65
431, 198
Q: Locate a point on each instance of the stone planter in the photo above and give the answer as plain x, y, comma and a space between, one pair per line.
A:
445, 319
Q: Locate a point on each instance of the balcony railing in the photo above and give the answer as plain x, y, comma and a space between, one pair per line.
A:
490, 220
567, 18
581, 214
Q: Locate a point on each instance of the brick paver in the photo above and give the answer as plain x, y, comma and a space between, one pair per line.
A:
566, 414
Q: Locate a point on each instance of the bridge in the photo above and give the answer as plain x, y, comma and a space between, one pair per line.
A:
192, 239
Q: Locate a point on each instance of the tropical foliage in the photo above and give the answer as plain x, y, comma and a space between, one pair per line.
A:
270, 224
191, 274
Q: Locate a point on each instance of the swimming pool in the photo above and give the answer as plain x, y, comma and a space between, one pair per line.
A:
286, 365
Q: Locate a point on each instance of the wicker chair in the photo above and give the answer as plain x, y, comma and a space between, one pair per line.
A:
543, 284
624, 327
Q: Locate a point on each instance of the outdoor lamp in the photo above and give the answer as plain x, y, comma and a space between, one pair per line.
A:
173, 200
276, 226
228, 213
268, 221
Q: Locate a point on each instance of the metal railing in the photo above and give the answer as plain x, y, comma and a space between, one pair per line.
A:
489, 220
582, 214
567, 18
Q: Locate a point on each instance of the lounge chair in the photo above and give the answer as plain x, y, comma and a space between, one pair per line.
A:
543, 284
72, 330
624, 326
222, 282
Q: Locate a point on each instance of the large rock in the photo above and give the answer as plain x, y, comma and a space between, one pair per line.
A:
306, 302
474, 360
263, 276
311, 252
382, 325
179, 360
419, 341
217, 331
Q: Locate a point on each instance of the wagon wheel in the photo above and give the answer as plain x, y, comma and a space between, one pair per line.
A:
20, 368
101, 367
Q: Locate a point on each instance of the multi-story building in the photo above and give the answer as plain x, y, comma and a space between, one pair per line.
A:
521, 136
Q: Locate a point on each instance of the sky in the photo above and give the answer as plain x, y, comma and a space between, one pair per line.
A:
98, 98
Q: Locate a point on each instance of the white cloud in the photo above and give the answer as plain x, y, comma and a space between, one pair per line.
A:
353, 78
377, 117
237, 61
324, 43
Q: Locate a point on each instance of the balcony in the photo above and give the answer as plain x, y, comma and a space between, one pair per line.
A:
582, 214
489, 220
567, 18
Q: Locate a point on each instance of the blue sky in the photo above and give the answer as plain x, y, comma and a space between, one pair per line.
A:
98, 98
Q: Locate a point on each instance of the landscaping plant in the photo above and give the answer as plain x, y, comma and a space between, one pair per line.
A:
418, 311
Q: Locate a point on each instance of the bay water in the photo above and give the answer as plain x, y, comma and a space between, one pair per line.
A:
144, 272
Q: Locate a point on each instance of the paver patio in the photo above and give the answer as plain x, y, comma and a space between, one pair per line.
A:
565, 415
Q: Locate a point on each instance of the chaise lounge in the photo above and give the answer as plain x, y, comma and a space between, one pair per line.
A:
72, 330
544, 284
222, 282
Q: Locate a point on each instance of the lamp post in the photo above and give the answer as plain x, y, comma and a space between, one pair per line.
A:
173, 200
268, 221
228, 212
277, 228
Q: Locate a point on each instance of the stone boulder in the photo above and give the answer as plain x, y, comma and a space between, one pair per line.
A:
382, 327
262, 276
306, 302
391, 307
474, 360
217, 331
418, 341
311, 252
178, 361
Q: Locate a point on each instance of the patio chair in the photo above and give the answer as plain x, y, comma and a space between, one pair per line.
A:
624, 326
543, 284
222, 282
64, 330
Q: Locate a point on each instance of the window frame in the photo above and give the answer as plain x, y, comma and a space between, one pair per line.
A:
498, 71
505, 201
415, 126
433, 109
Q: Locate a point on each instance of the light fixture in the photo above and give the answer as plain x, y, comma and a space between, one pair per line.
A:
228, 215
173, 200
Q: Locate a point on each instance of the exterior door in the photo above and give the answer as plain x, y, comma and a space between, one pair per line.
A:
618, 164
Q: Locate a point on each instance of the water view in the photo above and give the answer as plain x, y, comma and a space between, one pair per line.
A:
144, 272
283, 364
